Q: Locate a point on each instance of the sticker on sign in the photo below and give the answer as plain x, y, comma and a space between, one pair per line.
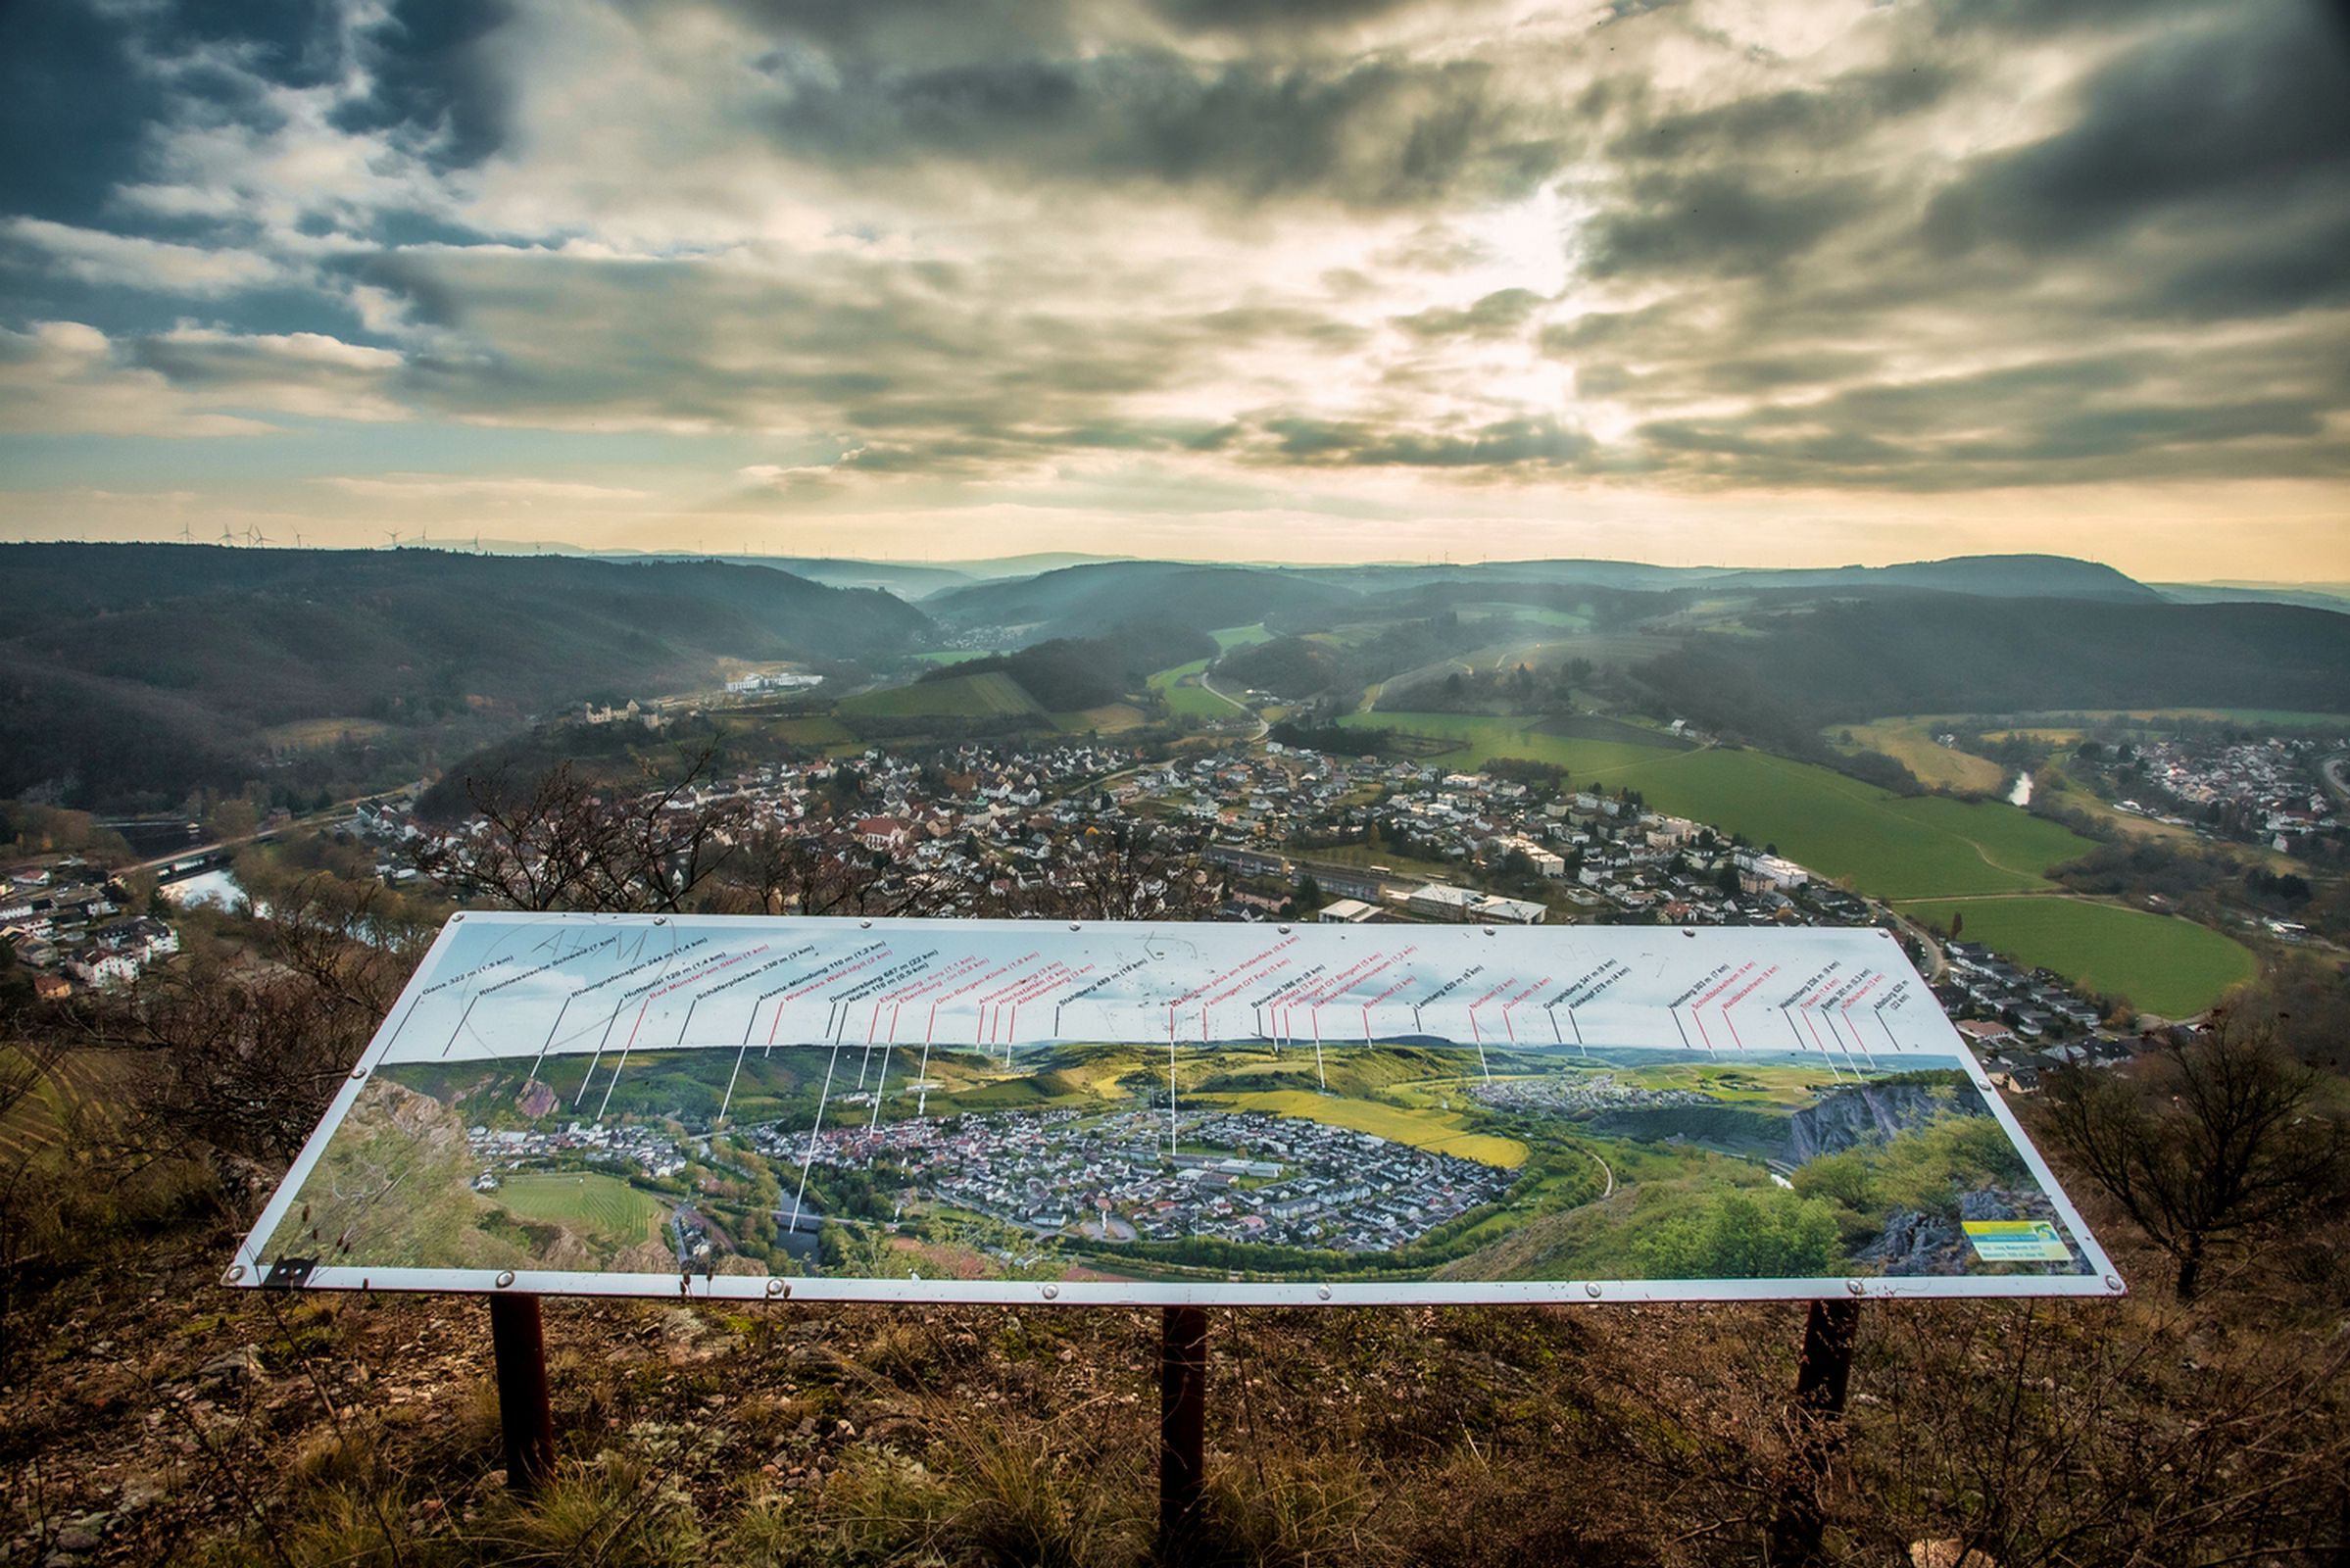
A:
2016, 1241
1007, 1110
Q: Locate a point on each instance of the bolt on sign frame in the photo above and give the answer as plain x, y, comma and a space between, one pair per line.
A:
1166, 1115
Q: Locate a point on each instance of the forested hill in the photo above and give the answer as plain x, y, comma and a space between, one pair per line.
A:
1932, 652
1087, 600
130, 674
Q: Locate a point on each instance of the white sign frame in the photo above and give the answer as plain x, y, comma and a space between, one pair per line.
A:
1643, 982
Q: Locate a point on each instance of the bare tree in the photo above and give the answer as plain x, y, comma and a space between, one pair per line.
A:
2222, 1138
1131, 871
564, 842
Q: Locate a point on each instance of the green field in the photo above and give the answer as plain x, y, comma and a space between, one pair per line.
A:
2162, 964
958, 697
1438, 1131
600, 1207
1232, 637
1186, 698
1889, 845
953, 655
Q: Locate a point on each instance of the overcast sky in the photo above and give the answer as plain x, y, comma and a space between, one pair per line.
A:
1749, 281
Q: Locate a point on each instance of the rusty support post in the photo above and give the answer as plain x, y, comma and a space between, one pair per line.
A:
1181, 1427
1821, 1380
519, 1343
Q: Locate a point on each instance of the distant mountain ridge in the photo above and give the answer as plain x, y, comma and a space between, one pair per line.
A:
1082, 600
1986, 577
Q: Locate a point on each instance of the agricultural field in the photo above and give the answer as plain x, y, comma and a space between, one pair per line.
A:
316, 734
1109, 718
1529, 615
1911, 743
1889, 845
816, 729
1232, 637
1438, 1132
957, 696
2162, 964
953, 655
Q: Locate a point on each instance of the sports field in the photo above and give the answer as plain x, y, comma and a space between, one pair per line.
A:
2162, 964
597, 1206
1888, 846
957, 696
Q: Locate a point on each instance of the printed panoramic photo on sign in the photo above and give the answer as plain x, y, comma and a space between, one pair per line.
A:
983, 1107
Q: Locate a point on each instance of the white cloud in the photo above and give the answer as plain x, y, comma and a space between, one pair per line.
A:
69, 378
128, 261
444, 487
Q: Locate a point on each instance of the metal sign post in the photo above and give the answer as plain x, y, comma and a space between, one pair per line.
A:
1822, 1377
1182, 1425
526, 1414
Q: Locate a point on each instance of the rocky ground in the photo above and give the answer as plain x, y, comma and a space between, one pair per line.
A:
152, 1416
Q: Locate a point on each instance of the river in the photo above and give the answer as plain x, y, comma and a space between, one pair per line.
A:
219, 889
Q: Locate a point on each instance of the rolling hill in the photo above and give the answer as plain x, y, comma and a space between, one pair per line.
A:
1089, 599
131, 674
1940, 652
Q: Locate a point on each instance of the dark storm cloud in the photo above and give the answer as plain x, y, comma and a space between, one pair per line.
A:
1504, 444
1377, 134
73, 111
2102, 416
912, 363
1794, 120
1723, 223
1258, 19
432, 78
2249, 116
1807, 254
909, 35
2305, 264
1500, 314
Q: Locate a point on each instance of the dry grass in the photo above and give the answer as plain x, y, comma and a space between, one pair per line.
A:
1620, 1436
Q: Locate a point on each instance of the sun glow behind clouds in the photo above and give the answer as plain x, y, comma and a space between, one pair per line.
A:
1715, 280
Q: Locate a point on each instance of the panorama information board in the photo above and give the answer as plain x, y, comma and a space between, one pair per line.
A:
1167, 1114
